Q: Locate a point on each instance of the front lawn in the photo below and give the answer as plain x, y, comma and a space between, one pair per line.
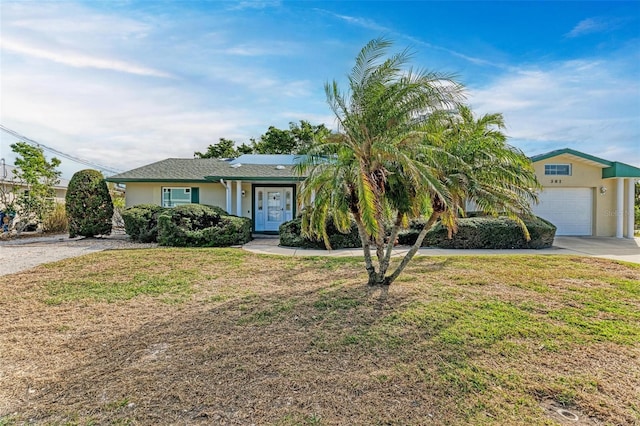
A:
222, 336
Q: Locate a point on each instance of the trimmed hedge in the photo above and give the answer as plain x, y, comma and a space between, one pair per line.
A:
484, 232
290, 236
481, 232
141, 222
191, 225
197, 225
219, 210
88, 205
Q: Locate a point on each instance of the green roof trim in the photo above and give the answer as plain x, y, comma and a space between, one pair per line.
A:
256, 178
151, 180
570, 151
611, 169
620, 170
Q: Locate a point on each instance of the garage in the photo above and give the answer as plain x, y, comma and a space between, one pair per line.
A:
569, 209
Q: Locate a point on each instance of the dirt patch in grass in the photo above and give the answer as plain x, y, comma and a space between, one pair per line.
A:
215, 336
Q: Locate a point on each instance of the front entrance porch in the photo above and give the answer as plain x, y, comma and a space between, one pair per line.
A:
272, 206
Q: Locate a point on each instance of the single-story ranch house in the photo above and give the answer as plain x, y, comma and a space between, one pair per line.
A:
582, 194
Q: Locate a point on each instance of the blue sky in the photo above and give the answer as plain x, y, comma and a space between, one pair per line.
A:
126, 83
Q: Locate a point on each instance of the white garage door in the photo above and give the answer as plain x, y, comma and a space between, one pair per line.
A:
569, 209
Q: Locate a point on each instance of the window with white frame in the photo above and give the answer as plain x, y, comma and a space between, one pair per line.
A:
557, 169
175, 196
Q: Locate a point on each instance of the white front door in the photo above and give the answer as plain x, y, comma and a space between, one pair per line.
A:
273, 206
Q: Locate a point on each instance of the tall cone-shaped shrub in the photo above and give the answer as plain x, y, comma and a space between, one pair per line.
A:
89, 205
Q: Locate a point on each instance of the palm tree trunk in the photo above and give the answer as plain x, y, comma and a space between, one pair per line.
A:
384, 265
414, 248
380, 253
374, 277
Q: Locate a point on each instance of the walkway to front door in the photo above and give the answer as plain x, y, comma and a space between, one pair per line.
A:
273, 206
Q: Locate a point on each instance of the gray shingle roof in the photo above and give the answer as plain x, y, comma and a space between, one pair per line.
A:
203, 170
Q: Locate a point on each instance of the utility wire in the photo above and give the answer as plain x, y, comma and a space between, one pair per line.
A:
109, 170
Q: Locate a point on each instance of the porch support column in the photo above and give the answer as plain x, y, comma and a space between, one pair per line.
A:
629, 213
239, 198
227, 187
619, 207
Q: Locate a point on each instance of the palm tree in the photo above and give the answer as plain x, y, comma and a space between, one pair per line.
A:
499, 178
392, 159
476, 164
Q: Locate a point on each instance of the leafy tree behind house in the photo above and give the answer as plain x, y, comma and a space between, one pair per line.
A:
225, 148
406, 148
30, 191
88, 203
294, 140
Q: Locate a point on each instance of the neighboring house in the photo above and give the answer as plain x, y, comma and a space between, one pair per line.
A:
260, 187
582, 194
586, 195
7, 184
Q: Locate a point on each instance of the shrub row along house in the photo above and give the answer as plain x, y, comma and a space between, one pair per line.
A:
582, 194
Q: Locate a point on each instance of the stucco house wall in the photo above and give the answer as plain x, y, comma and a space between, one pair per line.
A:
585, 176
611, 185
211, 193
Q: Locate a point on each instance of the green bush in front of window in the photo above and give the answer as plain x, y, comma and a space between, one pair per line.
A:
141, 222
198, 225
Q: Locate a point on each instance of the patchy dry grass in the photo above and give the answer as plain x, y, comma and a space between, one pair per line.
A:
212, 336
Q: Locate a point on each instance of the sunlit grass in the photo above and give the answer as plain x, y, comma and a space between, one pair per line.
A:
480, 340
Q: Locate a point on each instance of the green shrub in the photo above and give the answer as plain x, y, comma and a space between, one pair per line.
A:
290, 236
484, 232
88, 204
141, 222
231, 230
219, 210
476, 232
56, 220
197, 225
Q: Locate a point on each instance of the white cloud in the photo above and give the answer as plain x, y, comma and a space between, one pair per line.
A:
372, 25
253, 49
55, 89
74, 36
78, 60
123, 123
85, 80
361, 22
593, 25
591, 106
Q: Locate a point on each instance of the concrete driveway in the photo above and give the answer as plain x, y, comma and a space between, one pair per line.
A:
25, 253
606, 247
